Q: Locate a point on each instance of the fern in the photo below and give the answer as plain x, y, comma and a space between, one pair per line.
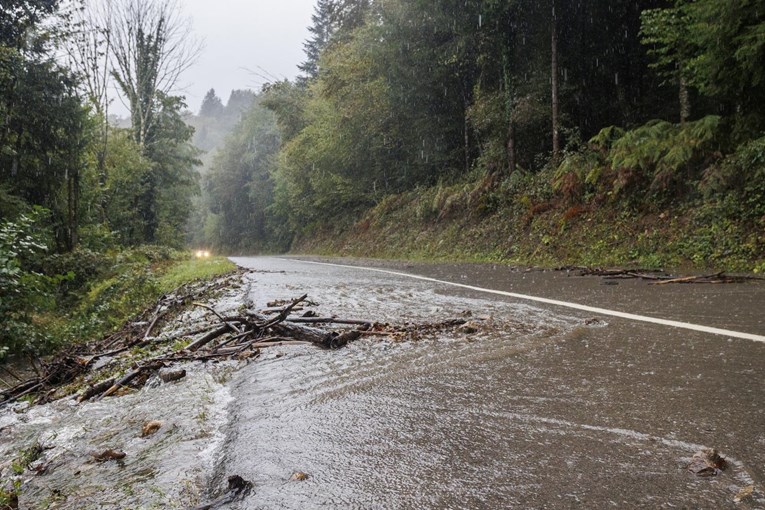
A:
659, 152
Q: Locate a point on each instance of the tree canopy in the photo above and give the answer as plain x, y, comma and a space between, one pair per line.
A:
398, 94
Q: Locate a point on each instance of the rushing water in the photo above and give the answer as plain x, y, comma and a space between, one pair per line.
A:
497, 419
538, 408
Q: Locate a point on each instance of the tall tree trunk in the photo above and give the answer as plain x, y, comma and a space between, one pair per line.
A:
509, 115
554, 81
685, 100
73, 207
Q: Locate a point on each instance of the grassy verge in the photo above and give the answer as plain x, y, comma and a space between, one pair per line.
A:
106, 290
522, 224
186, 271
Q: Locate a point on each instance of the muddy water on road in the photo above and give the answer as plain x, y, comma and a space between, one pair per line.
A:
537, 409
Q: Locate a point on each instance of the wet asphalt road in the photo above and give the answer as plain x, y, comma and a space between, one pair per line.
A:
571, 415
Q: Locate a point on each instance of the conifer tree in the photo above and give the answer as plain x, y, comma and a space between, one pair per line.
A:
212, 106
324, 23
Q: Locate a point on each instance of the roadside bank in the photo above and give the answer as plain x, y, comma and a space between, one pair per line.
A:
466, 223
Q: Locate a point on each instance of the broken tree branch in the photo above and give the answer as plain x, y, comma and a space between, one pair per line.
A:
209, 337
232, 326
692, 279
284, 313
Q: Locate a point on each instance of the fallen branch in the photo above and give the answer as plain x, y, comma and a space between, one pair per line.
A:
151, 326
209, 337
232, 326
329, 320
21, 390
117, 385
96, 389
284, 313
692, 279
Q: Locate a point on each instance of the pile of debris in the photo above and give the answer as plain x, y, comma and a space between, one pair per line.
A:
126, 360
658, 276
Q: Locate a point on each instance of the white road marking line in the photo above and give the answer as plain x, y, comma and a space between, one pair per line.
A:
566, 304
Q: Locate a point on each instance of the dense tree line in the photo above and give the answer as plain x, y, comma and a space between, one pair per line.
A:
645, 101
129, 185
70, 182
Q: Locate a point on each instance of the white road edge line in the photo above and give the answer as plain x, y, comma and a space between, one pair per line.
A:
566, 304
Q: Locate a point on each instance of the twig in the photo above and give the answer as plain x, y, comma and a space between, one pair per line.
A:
379, 333
284, 313
18, 390
259, 345
232, 326
153, 323
11, 373
232, 339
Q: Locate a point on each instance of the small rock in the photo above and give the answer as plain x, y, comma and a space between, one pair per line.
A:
299, 476
172, 375
707, 462
238, 484
108, 455
150, 427
238, 487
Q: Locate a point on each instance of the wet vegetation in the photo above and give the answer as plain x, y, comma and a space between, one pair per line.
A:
91, 215
77, 297
519, 131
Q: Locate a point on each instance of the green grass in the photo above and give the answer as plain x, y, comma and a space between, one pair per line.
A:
189, 270
133, 284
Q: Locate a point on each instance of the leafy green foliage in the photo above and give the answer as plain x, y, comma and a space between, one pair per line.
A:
717, 47
658, 159
43, 129
166, 201
23, 292
740, 180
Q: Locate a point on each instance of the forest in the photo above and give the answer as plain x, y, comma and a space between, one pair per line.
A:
412, 120
88, 210
510, 126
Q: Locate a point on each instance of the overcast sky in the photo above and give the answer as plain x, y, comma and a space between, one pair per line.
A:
265, 36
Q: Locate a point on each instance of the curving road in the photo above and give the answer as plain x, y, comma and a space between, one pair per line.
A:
543, 407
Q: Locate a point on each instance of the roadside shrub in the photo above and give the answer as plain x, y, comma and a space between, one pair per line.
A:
664, 158
81, 266
741, 178
23, 292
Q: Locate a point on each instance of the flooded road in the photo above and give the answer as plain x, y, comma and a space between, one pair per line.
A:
542, 407
533, 405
